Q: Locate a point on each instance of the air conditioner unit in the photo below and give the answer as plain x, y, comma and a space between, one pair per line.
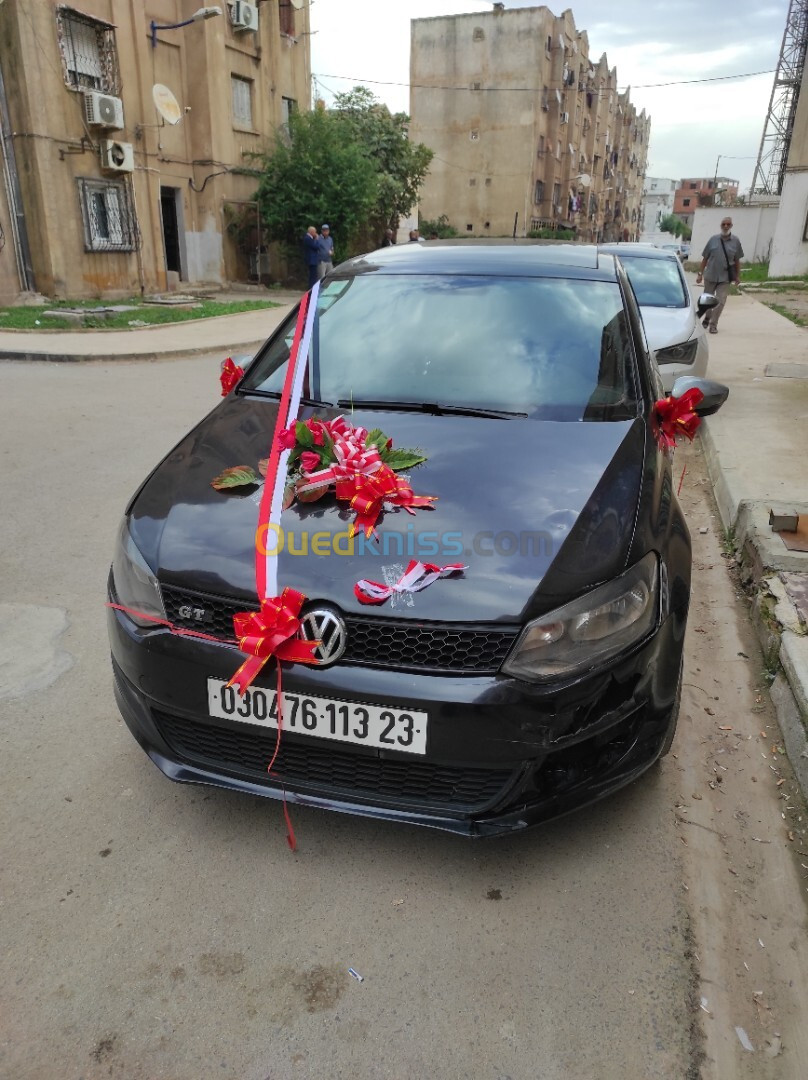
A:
117, 156
103, 110
564, 118
244, 15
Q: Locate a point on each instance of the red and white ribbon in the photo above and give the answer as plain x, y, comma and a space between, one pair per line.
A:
354, 459
417, 576
266, 565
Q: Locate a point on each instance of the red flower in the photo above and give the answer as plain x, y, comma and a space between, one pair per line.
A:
287, 438
316, 429
310, 461
389, 444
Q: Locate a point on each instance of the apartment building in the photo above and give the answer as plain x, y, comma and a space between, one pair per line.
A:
657, 195
528, 131
694, 192
125, 135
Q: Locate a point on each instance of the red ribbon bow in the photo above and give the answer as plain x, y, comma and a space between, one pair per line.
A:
675, 416
368, 494
231, 374
269, 632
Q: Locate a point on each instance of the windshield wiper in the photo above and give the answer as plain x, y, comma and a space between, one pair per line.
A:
428, 407
313, 402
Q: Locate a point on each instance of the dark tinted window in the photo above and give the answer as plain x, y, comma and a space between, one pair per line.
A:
549, 347
656, 282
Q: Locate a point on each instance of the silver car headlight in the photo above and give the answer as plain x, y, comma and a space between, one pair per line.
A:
678, 354
134, 584
589, 631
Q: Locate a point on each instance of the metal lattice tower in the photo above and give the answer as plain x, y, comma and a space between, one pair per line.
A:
776, 140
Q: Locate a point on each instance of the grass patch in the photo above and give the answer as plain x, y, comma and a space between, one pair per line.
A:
797, 319
758, 273
729, 541
32, 318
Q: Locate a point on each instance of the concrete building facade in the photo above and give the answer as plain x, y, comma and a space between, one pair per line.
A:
528, 132
110, 195
694, 192
657, 202
789, 253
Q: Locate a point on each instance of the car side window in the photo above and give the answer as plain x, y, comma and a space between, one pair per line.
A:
638, 327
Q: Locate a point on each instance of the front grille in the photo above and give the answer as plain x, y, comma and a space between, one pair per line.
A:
373, 642
333, 771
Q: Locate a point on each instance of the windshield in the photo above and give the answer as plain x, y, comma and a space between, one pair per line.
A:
656, 282
546, 347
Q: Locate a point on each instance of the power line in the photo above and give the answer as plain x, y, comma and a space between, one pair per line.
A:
541, 89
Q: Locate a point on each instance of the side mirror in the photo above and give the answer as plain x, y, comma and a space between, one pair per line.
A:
715, 393
705, 302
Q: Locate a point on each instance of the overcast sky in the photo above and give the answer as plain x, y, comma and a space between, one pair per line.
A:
648, 41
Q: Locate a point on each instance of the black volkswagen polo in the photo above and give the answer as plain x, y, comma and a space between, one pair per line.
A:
540, 678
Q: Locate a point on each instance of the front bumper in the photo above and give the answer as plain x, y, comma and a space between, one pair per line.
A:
502, 754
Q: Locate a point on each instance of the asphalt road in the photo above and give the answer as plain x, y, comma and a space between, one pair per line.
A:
151, 930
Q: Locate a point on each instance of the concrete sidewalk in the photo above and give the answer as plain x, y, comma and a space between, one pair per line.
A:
756, 449
241, 333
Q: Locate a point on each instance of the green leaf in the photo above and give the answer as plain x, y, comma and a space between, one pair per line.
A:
376, 438
402, 459
303, 435
236, 476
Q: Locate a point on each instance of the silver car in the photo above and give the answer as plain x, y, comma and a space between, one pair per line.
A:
675, 334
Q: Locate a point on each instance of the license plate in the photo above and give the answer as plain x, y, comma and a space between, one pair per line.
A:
325, 718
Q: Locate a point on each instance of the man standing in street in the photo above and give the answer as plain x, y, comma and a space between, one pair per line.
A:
311, 252
325, 246
720, 268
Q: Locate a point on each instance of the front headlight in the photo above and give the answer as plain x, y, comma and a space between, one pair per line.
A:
134, 584
591, 630
678, 354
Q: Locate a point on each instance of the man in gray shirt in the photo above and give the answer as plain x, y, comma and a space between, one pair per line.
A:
720, 268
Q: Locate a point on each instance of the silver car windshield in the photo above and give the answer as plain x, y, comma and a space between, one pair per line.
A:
547, 347
656, 282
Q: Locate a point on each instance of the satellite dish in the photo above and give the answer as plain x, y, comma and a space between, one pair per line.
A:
297, 4
585, 179
166, 104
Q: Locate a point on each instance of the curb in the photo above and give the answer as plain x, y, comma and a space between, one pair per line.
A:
789, 691
151, 356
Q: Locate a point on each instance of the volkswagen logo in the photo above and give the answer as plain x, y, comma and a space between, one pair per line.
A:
327, 627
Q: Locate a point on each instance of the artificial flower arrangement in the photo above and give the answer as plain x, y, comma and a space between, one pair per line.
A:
359, 465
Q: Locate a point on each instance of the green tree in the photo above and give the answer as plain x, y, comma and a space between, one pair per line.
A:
672, 224
401, 165
315, 173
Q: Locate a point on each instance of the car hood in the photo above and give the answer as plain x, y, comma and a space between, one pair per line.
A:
539, 511
668, 326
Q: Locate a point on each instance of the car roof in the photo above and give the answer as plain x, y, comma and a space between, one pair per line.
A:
637, 250
499, 258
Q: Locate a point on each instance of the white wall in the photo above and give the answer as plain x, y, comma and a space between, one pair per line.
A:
754, 225
789, 250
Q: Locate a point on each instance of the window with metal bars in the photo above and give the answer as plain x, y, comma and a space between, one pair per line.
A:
108, 214
242, 101
89, 56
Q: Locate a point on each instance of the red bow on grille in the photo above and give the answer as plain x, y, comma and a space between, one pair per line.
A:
231, 374
269, 632
675, 416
